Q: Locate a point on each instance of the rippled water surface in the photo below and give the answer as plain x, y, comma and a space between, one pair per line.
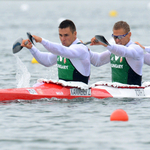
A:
78, 123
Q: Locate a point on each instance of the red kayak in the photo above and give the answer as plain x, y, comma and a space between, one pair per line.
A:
51, 90
69, 90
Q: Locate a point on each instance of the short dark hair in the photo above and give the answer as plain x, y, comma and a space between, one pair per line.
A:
68, 23
121, 25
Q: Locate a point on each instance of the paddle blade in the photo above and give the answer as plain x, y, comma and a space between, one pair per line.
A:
31, 38
102, 39
17, 46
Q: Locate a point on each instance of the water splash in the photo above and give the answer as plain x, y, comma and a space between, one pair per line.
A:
22, 74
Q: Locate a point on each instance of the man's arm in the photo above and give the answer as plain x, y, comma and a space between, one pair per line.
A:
79, 51
44, 58
147, 59
99, 59
132, 51
146, 48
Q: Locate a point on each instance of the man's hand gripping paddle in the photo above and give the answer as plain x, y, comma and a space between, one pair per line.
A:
17, 45
99, 38
30, 37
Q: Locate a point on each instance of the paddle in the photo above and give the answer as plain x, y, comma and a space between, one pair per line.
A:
31, 38
99, 38
86, 43
17, 45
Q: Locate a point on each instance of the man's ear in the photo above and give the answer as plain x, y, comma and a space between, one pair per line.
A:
75, 33
130, 34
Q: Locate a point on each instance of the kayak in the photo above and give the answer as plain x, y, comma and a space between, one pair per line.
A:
70, 90
51, 89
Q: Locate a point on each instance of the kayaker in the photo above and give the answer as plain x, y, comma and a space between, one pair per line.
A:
126, 57
71, 56
146, 54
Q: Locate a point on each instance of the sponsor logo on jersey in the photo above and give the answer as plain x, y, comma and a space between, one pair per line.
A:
117, 66
62, 67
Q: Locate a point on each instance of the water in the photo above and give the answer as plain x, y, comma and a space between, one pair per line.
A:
69, 124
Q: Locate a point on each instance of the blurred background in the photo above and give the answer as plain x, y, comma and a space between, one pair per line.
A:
78, 123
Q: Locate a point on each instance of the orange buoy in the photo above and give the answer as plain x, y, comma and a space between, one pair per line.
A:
119, 115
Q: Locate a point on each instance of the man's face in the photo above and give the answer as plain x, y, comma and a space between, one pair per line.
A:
125, 38
66, 36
